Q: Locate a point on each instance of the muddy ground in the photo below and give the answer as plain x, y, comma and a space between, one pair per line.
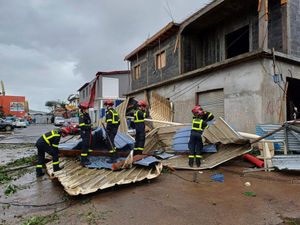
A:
180, 197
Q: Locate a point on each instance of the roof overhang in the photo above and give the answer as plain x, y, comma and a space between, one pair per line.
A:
83, 86
160, 36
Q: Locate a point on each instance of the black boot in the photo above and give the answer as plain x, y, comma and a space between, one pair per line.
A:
57, 168
191, 162
85, 161
198, 162
39, 172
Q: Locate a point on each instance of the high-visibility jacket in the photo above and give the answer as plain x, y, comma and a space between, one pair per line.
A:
207, 116
112, 117
84, 121
198, 124
139, 116
52, 138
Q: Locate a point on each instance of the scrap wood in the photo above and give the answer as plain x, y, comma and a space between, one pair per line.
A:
119, 165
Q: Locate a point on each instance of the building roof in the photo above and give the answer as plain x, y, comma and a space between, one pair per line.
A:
116, 72
83, 86
161, 35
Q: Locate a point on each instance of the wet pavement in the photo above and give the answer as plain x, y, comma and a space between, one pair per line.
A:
177, 198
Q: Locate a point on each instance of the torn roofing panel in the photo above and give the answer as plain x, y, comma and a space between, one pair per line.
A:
224, 154
80, 180
286, 162
221, 132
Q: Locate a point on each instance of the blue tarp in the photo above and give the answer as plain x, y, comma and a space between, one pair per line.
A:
181, 140
99, 162
148, 161
123, 142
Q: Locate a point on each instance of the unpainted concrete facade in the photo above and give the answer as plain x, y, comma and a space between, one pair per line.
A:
201, 62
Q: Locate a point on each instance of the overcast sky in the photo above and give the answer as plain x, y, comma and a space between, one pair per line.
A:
50, 48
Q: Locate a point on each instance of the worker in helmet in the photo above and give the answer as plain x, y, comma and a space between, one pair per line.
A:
48, 142
85, 132
205, 115
112, 120
139, 122
195, 143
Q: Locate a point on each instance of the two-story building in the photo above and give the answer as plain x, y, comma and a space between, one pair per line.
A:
237, 59
109, 85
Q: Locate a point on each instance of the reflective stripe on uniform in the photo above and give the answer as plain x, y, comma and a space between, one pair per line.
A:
56, 146
199, 156
53, 134
136, 119
84, 154
90, 150
197, 124
139, 149
191, 156
39, 166
82, 124
55, 163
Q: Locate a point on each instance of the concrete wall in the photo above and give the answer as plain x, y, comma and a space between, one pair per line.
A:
273, 99
251, 96
294, 20
149, 75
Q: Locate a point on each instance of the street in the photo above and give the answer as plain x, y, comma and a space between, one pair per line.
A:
178, 198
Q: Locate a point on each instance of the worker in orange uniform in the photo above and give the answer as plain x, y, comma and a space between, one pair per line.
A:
112, 120
85, 132
139, 122
48, 142
195, 142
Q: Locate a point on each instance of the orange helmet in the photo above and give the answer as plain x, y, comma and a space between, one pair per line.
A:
83, 105
142, 103
108, 102
65, 131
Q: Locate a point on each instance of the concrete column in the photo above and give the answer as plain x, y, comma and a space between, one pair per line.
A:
263, 18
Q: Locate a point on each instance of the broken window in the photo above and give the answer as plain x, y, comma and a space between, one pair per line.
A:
137, 72
160, 60
237, 42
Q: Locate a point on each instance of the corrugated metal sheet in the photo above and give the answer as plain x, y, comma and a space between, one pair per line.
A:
293, 137
212, 101
160, 109
221, 132
80, 180
224, 154
286, 162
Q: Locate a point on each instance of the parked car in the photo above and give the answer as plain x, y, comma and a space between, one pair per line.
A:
59, 121
6, 126
10, 119
20, 123
72, 124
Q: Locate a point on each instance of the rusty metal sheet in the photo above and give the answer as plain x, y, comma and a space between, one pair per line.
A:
221, 132
78, 180
224, 154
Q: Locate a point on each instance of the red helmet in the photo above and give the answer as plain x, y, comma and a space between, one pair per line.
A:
83, 105
108, 102
65, 131
197, 110
142, 103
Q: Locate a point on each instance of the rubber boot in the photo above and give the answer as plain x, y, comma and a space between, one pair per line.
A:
198, 162
39, 172
57, 168
85, 161
191, 162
